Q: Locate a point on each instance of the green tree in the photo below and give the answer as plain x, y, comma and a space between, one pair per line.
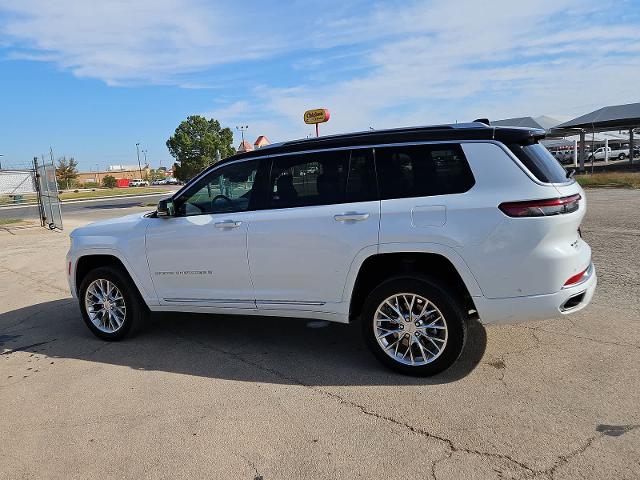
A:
66, 171
194, 145
109, 181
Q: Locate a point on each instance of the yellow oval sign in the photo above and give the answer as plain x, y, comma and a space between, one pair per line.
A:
319, 115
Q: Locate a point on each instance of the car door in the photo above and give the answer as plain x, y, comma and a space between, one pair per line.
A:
199, 256
322, 211
423, 195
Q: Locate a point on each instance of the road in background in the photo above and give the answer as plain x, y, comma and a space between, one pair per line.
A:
86, 207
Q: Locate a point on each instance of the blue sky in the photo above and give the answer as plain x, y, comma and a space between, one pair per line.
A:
90, 79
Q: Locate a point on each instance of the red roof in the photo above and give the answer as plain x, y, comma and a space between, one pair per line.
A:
261, 140
245, 146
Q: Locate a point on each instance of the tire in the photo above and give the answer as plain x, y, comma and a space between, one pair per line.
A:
134, 314
428, 293
622, 156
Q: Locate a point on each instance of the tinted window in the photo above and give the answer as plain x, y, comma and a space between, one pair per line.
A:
544, 166
422, 170
226, 189
322, 178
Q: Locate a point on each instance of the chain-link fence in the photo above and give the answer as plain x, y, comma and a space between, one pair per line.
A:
30, 191
50, 210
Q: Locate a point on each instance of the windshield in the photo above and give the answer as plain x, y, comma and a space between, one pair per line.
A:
539, 161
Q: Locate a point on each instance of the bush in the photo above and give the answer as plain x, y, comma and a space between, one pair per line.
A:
91, 185
109, 181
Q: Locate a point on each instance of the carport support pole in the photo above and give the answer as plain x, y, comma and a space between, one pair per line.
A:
606, 150
582, 150
631, 146
575, 153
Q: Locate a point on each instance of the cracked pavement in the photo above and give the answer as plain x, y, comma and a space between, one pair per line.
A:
268, 398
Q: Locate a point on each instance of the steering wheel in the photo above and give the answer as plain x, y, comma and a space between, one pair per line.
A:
224, 197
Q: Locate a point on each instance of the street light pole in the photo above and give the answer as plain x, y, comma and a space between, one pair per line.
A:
242, 128
138, 152
146, 164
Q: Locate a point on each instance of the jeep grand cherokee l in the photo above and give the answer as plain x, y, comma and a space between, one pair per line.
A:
410, 232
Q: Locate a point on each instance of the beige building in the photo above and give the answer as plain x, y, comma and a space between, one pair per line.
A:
84, 177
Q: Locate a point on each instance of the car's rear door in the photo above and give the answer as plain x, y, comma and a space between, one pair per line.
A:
322, 210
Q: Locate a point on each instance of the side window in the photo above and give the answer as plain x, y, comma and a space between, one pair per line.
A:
422, 170
322, 178
224, 190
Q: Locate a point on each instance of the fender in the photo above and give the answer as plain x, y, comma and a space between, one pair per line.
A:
436, 248
143, 284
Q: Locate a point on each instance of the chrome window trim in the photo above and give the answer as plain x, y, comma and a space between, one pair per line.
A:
268, 156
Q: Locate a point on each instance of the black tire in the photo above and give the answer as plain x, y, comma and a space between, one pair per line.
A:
136, 313
436, 293
622, 156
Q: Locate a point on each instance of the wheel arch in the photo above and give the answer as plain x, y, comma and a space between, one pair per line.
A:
378, 267
91, 261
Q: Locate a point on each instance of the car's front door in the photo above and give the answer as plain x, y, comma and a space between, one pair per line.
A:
322, 212
199, 256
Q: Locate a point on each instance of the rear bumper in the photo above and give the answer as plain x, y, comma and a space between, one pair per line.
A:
537, 307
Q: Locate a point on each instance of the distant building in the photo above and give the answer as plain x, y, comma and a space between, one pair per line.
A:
120, 168
261, 141
245, 147
129, 174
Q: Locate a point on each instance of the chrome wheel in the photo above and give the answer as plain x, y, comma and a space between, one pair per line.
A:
410, 329
105, 305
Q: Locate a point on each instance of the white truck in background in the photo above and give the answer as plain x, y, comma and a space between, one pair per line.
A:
619, 153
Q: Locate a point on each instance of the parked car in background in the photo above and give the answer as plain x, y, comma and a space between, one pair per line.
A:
138, 183
618, 153
409, 232
166, 181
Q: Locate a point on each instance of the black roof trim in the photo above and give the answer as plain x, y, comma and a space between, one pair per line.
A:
452, 132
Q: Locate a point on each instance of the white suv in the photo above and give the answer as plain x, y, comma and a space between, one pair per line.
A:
411, 232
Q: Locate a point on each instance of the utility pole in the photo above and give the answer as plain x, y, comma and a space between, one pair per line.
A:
138, 152
242, 128
97, 173
146, 164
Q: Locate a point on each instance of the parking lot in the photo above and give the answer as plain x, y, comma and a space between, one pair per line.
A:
267, 398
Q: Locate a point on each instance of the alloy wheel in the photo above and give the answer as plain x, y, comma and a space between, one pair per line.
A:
410, 329
105, 305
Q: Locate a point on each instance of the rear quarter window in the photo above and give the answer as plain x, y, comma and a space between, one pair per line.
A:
422, 170
539, 161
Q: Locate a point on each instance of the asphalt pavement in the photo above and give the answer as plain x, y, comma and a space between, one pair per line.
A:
274, 398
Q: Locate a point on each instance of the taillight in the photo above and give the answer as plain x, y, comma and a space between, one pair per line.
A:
577, 278
542, 208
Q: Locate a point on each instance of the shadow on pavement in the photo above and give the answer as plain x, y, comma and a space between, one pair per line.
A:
242, 348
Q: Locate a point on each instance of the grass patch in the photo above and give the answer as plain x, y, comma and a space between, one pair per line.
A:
106, 192
610, 179
10, 221
29, 198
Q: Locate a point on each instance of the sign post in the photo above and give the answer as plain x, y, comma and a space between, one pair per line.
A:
316, 117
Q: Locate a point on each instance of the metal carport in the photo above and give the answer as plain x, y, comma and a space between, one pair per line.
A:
615, 117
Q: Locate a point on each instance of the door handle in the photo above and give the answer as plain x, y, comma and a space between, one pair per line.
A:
227, 224
351, 217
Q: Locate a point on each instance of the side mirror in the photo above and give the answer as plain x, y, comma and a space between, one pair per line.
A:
165, 208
